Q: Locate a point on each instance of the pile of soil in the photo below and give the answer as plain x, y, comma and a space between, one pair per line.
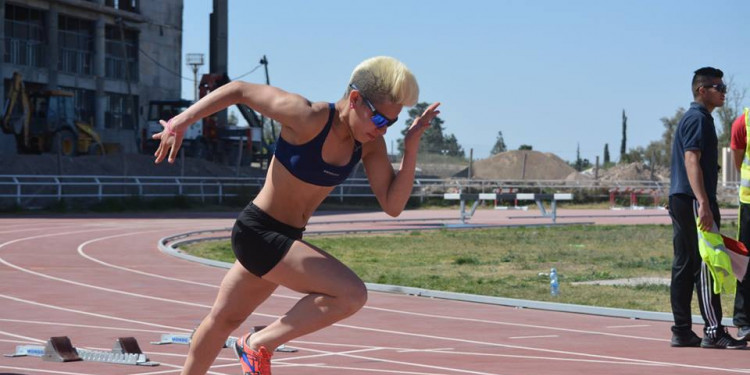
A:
637, 171
522, 165
634, 172
116, 165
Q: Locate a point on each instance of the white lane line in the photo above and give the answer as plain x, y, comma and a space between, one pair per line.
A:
59, 324
327, 354
83, 254
630, 326
534, 337
93, 314
495, 322
434, 350
555, 351
21, 337
36, 370
410, 364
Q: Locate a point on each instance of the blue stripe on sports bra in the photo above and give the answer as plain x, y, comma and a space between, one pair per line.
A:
306, 161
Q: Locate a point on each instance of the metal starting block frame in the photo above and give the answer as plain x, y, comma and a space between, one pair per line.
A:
126, 351
480, 197
185, 339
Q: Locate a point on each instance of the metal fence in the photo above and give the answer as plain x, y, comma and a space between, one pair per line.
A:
32, 190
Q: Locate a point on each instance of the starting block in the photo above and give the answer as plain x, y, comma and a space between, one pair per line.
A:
59, 349
185, 339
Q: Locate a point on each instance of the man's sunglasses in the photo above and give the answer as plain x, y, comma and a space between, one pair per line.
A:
377, 118
720, 87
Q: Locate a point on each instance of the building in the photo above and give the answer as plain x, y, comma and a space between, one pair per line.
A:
114, 55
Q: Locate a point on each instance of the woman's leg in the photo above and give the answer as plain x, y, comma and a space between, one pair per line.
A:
239, 295
333, 291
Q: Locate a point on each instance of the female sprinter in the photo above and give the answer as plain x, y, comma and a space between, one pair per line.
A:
318, 146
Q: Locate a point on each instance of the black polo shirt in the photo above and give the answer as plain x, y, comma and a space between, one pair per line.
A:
696, 131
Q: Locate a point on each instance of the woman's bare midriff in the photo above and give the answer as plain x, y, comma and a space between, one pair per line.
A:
288, 199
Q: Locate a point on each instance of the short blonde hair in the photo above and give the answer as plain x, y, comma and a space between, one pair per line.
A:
384, 78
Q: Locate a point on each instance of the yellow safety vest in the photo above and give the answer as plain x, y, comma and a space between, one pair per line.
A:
745, 169
713, 253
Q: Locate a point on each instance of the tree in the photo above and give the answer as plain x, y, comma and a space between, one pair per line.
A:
499, 144
731, 109
525, 147
657, 152
232, 120
623, 145
606, 153
433, 140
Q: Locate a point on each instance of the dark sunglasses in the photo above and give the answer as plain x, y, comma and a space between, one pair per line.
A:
720, 87
377, 118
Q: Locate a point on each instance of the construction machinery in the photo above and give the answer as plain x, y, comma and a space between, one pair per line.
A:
207, 139
45, 122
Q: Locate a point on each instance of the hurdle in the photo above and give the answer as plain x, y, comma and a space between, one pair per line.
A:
480, 197
633, 194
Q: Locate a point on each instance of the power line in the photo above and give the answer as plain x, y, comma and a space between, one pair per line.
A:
164, 67
252, 70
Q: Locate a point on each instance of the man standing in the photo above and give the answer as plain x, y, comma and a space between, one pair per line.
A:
741, 153
692, 195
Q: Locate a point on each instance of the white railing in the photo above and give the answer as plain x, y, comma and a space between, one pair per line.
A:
22, 188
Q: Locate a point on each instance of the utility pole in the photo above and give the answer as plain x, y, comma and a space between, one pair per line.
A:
264, 62
195, 60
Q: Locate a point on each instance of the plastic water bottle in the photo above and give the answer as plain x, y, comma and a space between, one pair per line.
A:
554, 284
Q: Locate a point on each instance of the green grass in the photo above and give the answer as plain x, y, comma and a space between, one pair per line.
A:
512, 262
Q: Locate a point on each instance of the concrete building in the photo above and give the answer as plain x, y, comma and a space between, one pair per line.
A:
114, 55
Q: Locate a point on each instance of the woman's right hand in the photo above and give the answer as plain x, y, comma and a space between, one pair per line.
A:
170, 142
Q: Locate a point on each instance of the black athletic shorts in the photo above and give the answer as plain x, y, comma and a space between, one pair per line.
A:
260, 241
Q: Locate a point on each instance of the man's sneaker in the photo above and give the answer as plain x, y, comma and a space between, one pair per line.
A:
253, 362
684, 341
722, 341
743, 333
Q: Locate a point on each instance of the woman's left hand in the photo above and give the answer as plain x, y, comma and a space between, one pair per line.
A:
420, 124
171, 140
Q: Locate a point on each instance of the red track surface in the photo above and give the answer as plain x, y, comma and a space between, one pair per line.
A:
96, 279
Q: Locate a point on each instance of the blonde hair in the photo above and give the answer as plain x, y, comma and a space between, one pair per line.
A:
384, 78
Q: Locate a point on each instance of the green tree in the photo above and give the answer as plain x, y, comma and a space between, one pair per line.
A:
232, 120
623, 145
499, 144
525, 147
658, 152
606, 153
731, 109
433, 140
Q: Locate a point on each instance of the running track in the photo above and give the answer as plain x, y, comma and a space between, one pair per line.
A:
98, 278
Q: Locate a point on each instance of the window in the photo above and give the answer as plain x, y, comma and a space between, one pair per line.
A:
75, 37
121, 54
120, 111
83, 104
24, 36
126, 5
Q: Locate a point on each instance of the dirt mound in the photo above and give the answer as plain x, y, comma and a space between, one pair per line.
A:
634, 172
116, 165
522, 165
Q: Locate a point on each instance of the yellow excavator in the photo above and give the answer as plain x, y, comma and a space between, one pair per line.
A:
45, 122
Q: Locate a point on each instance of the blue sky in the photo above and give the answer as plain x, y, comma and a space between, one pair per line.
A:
551, 74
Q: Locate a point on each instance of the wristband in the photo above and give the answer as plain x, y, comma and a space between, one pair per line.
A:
170, 128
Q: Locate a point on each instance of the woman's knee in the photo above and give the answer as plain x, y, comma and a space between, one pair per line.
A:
224, 320
354, 297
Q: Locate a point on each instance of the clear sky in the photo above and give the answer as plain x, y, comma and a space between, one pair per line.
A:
548, 73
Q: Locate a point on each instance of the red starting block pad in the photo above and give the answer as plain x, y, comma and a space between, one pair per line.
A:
126, 351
